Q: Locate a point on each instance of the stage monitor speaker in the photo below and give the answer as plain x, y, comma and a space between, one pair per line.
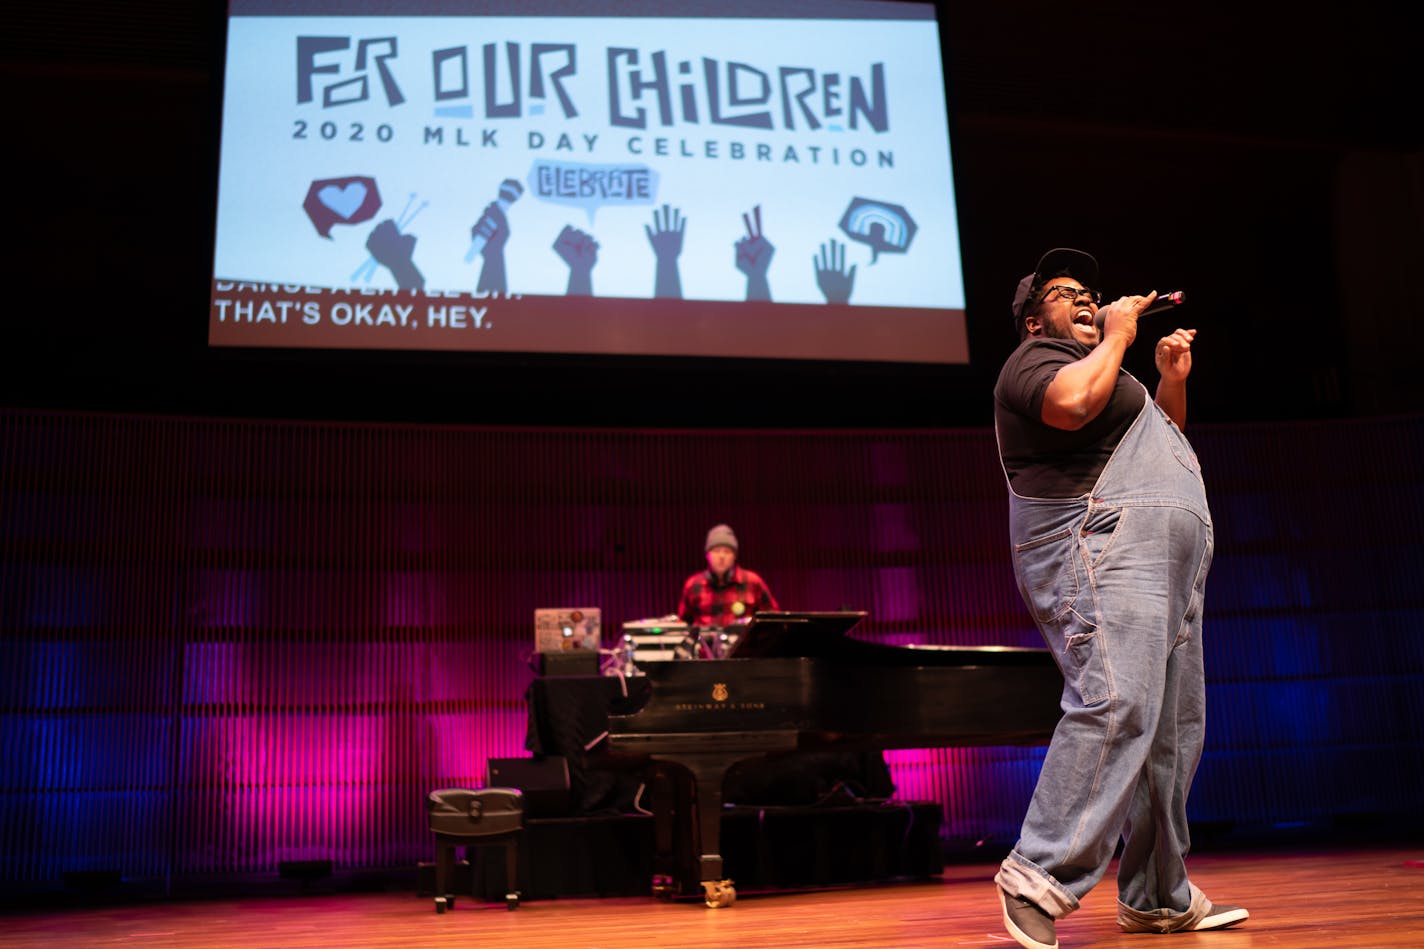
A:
543, 780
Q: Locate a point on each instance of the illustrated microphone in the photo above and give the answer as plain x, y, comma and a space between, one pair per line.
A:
509, 192
1164, 301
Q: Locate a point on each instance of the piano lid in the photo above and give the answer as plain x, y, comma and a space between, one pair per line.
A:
774, 634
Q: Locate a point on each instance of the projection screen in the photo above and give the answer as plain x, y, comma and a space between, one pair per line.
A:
767, 179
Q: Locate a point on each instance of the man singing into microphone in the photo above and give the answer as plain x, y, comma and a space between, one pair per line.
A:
1112, 540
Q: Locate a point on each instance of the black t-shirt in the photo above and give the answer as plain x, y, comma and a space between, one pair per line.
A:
1047, 462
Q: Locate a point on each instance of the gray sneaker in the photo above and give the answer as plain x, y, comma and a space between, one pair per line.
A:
1030, 926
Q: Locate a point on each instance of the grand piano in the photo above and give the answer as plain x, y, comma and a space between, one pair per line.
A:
796, 682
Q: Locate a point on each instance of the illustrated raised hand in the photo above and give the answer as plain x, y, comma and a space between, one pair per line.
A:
395, 251
831, 276
665, 236
580, 251
753, 256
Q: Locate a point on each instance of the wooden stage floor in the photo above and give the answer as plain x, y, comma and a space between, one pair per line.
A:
1337, 898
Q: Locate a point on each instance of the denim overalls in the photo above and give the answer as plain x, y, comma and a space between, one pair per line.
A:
1114, 580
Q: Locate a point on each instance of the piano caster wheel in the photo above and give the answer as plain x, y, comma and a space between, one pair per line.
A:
511, 900
719, 893
440, 904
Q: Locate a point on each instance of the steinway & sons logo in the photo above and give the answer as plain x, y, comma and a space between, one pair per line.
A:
720, 696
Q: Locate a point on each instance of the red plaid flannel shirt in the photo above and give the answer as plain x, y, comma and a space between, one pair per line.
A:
706, 601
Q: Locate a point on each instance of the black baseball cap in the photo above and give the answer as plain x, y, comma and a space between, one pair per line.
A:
1080, 265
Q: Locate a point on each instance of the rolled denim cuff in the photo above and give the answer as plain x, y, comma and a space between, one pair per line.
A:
1027, 880
1164, 920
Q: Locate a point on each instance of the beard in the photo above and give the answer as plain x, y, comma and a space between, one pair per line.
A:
1063, 327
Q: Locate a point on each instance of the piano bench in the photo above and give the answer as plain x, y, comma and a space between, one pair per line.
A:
462, 817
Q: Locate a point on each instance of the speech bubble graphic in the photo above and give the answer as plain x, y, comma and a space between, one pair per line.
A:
884, 228
333, 201
580, 185
344, 201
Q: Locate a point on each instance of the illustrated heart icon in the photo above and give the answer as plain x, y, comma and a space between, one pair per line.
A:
344, 201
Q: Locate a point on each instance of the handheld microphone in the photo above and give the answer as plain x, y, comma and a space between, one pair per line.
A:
1164, 301
509, 192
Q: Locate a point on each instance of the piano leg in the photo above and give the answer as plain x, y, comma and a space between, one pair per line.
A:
692, 819
669, 797
703, 819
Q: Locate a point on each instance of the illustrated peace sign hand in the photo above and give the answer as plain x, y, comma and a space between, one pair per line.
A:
754, 251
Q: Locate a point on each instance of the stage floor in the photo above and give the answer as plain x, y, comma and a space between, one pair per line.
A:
1299, 898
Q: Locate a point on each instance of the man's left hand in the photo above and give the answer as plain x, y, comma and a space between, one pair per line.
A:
1174, 355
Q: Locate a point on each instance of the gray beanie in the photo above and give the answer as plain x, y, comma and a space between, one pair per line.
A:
721, 536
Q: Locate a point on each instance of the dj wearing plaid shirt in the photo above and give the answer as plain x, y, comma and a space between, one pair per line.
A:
724, 593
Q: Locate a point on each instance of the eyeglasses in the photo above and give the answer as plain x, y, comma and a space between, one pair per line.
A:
1066, 292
